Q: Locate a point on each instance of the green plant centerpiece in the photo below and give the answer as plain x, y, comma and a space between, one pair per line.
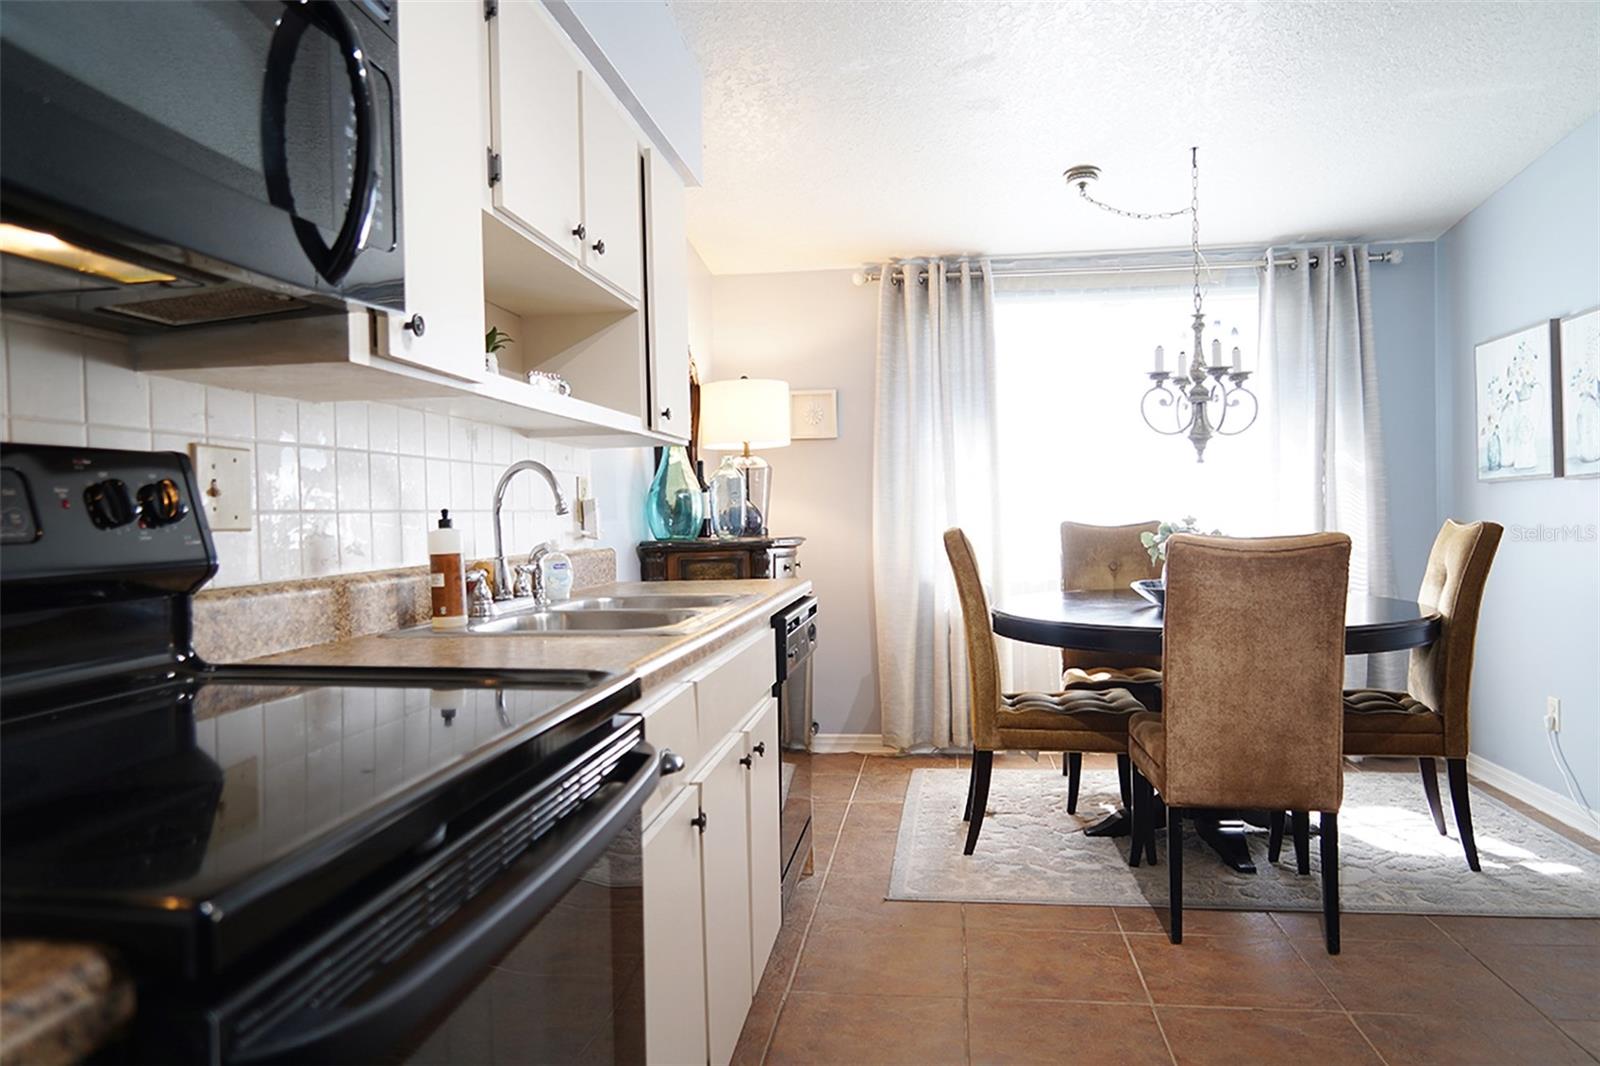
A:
1156, 543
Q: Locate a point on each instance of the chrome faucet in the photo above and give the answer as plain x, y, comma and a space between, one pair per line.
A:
502, 572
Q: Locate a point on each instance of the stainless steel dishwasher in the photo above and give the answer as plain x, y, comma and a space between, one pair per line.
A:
796, 631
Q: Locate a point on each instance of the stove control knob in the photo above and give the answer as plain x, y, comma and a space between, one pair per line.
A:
109, 504
160, 503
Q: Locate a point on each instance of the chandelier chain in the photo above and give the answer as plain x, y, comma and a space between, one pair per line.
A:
1194, 215
1143, 216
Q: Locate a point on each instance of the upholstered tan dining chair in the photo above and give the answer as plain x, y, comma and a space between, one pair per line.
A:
1076, 720
1095, 558
1252, 708
1429, 719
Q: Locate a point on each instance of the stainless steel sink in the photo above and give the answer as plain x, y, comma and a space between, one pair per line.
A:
572, 620
644, 602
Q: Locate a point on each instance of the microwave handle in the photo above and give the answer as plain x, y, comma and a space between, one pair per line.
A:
470, 941
333, 262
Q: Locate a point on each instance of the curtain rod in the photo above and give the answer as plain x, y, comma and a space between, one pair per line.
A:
1393, 255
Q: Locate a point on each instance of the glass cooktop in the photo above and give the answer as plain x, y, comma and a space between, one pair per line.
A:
184, 790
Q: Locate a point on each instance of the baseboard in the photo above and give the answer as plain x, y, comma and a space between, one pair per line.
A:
1551, 802
839, 743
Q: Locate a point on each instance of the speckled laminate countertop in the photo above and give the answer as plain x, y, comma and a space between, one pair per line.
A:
59, 1001
653, 657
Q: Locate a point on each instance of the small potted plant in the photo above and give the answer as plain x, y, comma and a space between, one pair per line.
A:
494, 340
1155, 589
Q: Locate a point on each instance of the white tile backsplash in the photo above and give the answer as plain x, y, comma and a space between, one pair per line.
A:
355, 481
230, 413
46, 375
178, 406
117, 396
277, 419
350, 424
339, 487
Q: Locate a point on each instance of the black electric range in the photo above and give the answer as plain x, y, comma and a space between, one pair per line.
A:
296, 864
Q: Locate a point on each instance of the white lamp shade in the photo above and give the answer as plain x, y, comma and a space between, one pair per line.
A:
744, 411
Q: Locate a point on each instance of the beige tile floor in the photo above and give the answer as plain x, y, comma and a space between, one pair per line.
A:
860, 980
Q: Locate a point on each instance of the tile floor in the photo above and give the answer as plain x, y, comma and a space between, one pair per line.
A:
861, 980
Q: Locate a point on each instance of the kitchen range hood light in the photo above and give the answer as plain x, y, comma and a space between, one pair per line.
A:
48, 248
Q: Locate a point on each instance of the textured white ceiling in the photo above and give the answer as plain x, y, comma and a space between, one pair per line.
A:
842, 133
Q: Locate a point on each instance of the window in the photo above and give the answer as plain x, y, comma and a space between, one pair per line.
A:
1072, 365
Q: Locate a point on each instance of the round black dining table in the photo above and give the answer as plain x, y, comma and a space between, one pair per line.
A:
1124, 622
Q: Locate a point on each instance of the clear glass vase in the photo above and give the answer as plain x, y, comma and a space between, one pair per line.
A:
732, 512
672, 507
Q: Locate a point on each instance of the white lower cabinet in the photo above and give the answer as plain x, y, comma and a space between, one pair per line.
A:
674, 935
762, 802
725, 890
712, 879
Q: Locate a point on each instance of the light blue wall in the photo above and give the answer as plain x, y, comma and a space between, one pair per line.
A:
1529, 252
1402, 327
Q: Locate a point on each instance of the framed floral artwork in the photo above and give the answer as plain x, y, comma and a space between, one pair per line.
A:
813, 414
1579, 356
1517, 404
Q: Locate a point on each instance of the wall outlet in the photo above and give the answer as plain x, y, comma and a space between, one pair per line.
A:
223, 475
1552, 714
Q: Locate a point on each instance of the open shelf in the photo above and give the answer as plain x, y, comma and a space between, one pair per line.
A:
525, 276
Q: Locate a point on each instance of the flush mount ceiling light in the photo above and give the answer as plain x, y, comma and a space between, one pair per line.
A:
1191, 403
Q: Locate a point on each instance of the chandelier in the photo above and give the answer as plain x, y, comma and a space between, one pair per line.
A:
1196, 401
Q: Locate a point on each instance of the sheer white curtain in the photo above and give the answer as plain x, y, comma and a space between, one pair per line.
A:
1323, 415
934, 461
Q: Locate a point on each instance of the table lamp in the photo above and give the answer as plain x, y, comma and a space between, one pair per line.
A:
739, 415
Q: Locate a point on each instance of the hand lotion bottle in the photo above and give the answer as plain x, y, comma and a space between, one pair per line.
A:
447, 576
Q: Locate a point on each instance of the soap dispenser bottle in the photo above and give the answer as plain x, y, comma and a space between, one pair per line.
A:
555, 574
447, 576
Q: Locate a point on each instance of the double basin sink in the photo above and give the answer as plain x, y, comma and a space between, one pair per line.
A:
644, 613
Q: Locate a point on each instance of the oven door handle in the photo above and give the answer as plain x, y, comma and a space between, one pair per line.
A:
468, 943
333, 261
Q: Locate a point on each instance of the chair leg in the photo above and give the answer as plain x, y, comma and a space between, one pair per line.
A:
1330, 880
1274, 835
972, 777
1138, 812
1430, 785
982, 767
1301, 823
1457, 771
1125, 778
1175, 873
1072, 766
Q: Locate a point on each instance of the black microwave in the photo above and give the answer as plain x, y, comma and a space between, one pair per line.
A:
192, 162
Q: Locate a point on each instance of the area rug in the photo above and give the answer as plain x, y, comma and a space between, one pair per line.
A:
1392, 859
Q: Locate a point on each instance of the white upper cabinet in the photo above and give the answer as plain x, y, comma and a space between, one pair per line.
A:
667, 297
534, 123
613, 242
441, 174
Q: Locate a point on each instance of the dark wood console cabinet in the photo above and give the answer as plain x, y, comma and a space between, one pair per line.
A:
719, 560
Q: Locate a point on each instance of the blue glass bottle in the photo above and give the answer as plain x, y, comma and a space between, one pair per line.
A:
672, 507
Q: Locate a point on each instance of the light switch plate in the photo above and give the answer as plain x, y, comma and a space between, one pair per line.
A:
223, 475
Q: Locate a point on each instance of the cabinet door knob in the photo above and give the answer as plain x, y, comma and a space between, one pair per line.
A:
747, 762
666, 412
416, 324
599, 247
760, 749
580, 231
671, 762
699, 821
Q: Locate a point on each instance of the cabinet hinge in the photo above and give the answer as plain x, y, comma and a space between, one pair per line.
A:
494, 167
491, 8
